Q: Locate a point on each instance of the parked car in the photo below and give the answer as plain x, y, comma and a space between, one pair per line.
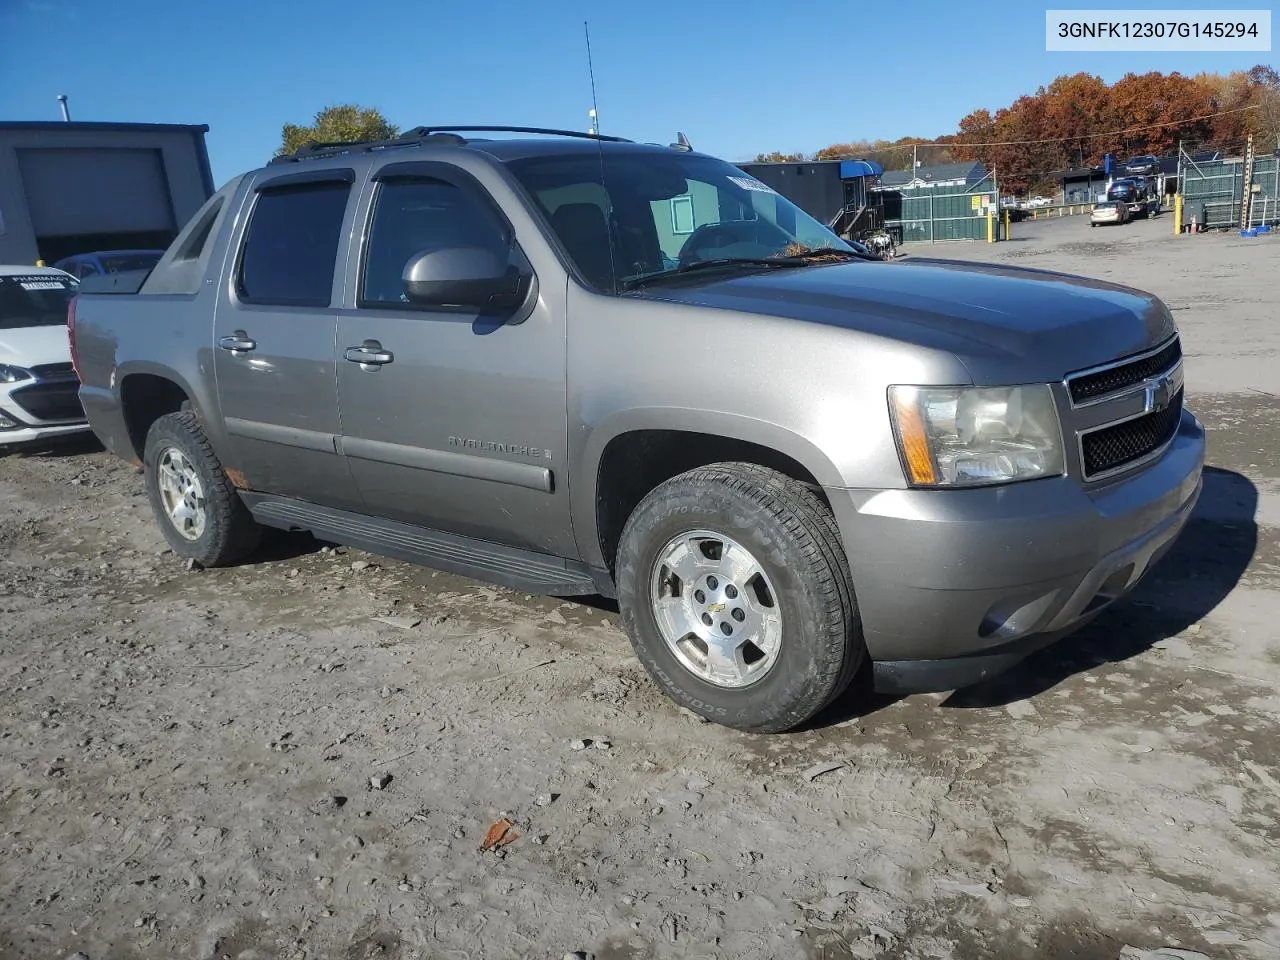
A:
1040, 202
1109, 211
109, 261
1132, 194
1145, 165
38, 387
783, 458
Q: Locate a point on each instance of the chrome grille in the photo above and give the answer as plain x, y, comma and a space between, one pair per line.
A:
1104, 450
1090, 386
1126, 412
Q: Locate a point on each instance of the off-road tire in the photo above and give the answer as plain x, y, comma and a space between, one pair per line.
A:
230, 532
793, 535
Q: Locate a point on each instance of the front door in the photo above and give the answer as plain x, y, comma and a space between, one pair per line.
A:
450, 419
273, 344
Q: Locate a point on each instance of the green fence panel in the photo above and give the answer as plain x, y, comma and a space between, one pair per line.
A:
950, 212
1266, 191
1211, 192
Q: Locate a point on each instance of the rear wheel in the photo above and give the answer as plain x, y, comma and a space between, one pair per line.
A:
735, 590
199, 512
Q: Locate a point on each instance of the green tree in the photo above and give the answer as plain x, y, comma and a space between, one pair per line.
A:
341, 123
777, 156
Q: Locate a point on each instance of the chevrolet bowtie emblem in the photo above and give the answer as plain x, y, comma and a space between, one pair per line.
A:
715, 607
1157, 396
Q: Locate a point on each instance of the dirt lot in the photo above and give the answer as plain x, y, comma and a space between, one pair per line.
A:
185, 757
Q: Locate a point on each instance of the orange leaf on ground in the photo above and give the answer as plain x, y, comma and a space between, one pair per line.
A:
499, 835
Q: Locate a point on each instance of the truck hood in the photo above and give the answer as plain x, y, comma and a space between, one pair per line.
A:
32, 346
1005, 324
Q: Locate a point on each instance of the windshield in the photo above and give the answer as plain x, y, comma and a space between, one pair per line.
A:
649, 215
34, 300
122, 262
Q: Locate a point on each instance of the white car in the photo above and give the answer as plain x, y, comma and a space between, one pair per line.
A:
39, 389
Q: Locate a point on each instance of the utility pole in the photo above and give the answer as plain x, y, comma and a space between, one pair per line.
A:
1246, 190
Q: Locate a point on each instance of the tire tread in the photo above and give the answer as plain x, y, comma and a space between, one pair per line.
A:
808, 521
235, 533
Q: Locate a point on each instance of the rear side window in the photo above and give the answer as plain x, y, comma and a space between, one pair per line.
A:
291, 244
414, 216
193, 246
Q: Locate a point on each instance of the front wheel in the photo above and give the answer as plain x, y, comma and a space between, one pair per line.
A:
199, 512
735, 591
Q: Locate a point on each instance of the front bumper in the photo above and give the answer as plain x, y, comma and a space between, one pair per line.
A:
30, 434
955, 586
18, 424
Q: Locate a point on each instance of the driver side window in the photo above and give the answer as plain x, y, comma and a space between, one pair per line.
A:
411, 216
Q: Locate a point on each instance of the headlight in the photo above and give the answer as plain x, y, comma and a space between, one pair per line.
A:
10, 374
969, 436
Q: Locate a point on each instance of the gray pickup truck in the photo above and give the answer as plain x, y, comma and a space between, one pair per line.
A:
578, 365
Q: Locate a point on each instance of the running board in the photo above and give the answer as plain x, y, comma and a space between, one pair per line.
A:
506, 566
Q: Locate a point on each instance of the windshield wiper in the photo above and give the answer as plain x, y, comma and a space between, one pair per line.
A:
795, 260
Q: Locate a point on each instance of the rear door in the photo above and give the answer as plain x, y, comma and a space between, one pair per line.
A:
273, 339
463, 427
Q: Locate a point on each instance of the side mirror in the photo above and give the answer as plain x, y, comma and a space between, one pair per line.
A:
464, 277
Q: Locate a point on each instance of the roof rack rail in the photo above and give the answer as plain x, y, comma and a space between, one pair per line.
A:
416, 135
316, 150
543, 131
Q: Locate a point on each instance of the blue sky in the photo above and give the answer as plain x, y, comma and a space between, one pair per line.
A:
737, 77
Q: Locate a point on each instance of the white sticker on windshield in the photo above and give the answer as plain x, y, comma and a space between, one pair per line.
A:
43, 285
751, 183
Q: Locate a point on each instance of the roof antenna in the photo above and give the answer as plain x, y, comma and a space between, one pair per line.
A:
682, 143
604, 181
595, 112
62, 103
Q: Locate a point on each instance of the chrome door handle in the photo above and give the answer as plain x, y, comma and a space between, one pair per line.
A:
369, 354
238, 343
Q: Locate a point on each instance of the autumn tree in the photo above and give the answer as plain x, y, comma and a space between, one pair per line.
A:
1264, 87
342, 123
890, 154
1078, 118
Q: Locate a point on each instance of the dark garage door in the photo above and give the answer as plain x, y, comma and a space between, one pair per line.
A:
96, 198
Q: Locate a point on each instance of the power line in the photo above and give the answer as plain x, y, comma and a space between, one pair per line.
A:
1083, 136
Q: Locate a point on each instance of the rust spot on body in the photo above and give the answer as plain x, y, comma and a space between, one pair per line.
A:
237, 478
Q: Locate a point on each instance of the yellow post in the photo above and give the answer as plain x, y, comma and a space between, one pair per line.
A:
1007, 220
39, 263
991, 227
1177, 214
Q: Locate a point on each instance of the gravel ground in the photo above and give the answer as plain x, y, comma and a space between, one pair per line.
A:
301, 757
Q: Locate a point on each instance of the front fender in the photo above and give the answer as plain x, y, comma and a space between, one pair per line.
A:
715, 423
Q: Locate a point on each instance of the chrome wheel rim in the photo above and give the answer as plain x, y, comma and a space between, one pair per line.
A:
716, 609
181, 493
